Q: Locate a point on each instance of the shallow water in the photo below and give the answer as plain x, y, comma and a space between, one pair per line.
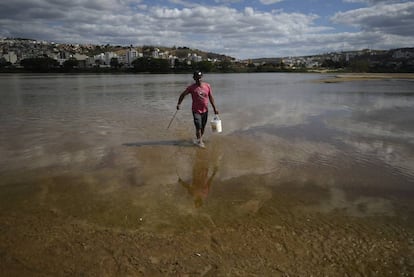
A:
96, 148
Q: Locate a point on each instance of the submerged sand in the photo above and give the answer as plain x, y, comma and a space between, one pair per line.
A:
267, 241
293, 220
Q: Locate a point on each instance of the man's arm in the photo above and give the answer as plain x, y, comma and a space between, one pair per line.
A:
180, 99
211, 98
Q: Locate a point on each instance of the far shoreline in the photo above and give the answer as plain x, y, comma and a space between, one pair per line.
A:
334, 76
348, 77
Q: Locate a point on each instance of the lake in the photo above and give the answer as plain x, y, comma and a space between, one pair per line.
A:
93, 182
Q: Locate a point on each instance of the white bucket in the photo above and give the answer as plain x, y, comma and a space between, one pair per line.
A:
216, 124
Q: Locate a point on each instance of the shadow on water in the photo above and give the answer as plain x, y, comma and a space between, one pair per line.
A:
184, 143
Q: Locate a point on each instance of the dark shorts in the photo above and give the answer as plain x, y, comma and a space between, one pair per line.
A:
200, 120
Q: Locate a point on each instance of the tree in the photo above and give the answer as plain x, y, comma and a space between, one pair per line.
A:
204, 66
182, 53
360, 65
151, 65
114, 63
98, 62
4, 62
42, 64
225, 66
181, 66
70, 63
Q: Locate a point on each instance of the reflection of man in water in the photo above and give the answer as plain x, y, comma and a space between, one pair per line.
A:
201, 183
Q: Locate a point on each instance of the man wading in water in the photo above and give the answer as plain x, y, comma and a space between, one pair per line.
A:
201, 94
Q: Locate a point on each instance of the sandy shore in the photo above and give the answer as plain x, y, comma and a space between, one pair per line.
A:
366, 76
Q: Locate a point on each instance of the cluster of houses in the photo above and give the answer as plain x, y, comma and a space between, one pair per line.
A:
125, 57
391, 60
15, 50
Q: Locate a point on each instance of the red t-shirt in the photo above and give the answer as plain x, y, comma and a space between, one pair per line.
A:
200, 95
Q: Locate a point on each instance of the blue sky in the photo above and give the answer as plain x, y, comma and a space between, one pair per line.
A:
239, 28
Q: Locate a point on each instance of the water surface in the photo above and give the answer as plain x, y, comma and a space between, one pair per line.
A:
295, 155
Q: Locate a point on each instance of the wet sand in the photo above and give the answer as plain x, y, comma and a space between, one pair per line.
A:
267, 240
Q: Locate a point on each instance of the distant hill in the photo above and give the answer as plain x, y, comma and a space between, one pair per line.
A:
184, 59
94, 49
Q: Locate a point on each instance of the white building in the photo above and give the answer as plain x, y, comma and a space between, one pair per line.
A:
109, 56
132, 55
105, 58
403, 54
156, 53
171, 60
10, 57
195, 58
100, 58
82, 60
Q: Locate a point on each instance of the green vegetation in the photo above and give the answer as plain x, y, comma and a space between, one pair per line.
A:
43, 64
154, 65
151, 65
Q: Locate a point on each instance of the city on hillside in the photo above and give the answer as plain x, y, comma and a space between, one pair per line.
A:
22, 55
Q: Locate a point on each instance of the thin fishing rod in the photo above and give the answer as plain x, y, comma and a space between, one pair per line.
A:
172, 119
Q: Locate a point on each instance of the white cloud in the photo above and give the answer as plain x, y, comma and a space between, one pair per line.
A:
269, 2
372, 2
393, 19
227, 1
242, 33
183, 3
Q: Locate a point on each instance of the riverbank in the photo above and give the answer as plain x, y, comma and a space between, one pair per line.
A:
346, 77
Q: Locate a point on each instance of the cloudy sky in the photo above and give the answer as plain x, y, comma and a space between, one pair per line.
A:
239, 28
